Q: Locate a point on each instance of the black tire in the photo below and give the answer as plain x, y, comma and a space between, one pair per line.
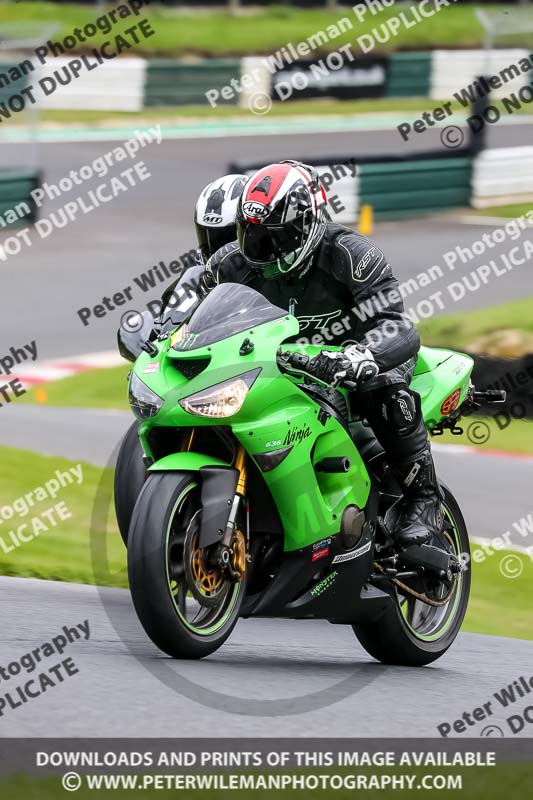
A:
130, 475
168, 504
393, 641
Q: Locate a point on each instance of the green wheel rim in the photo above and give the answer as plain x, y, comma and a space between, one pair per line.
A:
173, 586
449, 613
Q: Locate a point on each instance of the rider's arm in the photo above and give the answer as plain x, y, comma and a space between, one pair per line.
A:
226, 265
378, 312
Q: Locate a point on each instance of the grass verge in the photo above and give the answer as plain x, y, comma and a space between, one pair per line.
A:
457, 331
95, 388
411, 107
505, 778
68, 552
499, 605
512, 211
218, 33
502, 433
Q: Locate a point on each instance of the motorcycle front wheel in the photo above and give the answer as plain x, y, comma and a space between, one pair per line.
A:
186, 604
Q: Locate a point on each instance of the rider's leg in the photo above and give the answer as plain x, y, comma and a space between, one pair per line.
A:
393, 412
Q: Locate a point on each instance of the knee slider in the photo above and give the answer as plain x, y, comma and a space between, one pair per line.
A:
402, 411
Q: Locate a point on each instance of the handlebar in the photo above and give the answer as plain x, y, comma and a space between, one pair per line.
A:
300, 362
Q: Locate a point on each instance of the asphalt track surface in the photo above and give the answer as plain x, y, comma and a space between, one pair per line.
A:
272, 677
101, 252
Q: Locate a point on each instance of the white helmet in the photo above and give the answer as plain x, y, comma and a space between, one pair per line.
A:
216, 210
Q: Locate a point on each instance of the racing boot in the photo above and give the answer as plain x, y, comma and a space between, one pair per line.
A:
421, 515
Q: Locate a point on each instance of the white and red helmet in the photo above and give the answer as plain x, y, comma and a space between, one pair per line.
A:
281, 217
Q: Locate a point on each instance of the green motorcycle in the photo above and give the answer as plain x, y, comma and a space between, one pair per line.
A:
267, 497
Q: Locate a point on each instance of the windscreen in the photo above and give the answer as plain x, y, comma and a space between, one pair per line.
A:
229, 309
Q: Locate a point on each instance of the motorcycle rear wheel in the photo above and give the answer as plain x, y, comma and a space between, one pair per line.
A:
414, 633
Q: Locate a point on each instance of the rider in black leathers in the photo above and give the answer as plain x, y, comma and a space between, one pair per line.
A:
344, 293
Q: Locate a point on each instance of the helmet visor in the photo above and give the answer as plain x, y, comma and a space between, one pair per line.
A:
263, 245
211, 239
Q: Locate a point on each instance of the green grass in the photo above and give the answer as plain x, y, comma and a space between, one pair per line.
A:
98, 388
505, 434
506, 778
69, 552
500, 606
62, 552
175, 115
457, 331
411, 107
512, 211
217, 33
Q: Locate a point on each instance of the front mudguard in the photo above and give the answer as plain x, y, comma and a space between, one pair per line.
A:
218, 486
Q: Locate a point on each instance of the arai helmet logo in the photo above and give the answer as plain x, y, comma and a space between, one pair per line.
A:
254, 209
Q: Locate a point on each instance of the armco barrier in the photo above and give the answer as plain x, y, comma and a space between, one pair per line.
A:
16, 186
13, 87
409, 74
116, 85
395, 186
502, 176
175, 83
454, 70
402, 188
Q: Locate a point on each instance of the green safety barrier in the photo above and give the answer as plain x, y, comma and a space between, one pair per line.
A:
173, 83
16, 204
13, 78
409, 74
397, 189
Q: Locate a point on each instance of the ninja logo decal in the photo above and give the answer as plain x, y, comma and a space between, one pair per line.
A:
297, 435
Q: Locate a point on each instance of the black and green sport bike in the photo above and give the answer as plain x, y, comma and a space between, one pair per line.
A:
267, 497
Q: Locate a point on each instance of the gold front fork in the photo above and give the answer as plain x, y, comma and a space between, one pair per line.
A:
240, 465
189, 439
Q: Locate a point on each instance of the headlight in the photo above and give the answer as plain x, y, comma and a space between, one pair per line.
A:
222, 400
144, 403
